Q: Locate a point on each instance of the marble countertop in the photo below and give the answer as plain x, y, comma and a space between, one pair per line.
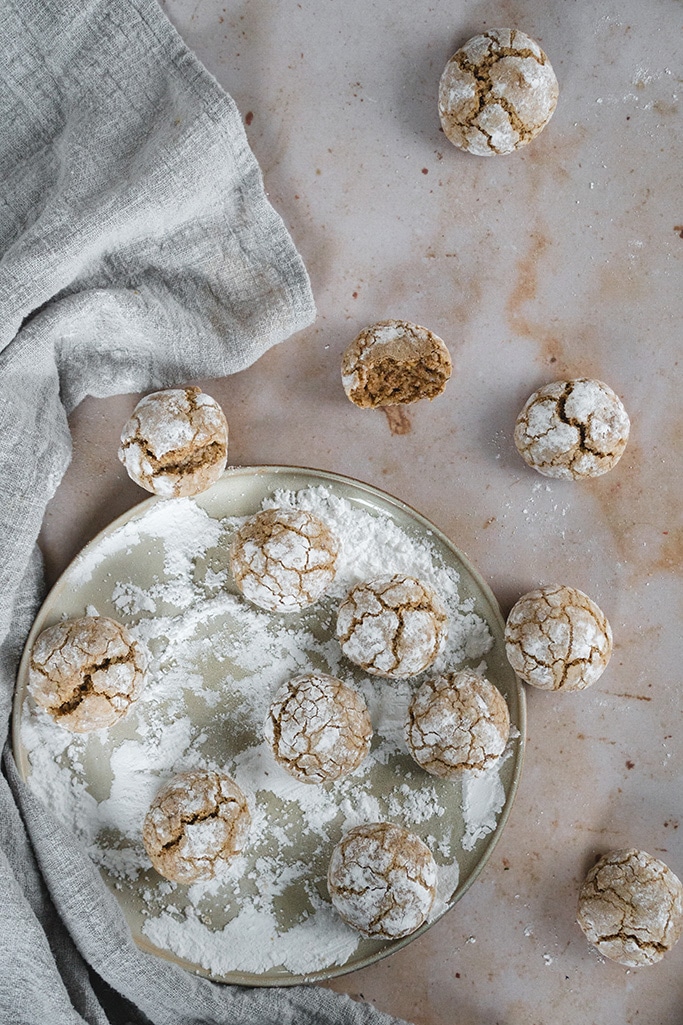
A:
561, 260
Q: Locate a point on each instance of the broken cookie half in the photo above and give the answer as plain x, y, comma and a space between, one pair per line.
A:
394, 362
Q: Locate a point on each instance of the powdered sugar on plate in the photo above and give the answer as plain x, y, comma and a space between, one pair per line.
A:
215, 663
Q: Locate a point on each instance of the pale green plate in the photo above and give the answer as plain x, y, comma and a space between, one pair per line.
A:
239, 493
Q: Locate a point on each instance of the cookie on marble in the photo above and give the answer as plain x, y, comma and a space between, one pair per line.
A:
631, 907
392, 626
557, 638
86, 672
572, 429
382, 880
283, 560
318, 728
195, 825
458, 722
497, 92
175, 443
393, 363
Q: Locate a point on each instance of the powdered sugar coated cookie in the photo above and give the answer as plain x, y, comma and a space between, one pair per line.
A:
395, 362
382, 880
631, 907
197, 822
283, 560
497, 92
176, 442
457, 722
572, 429
392, 626
318, 728
86, 672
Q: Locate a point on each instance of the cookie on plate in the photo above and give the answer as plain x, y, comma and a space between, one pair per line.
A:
86, 672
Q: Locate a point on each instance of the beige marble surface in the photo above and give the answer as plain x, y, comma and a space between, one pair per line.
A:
564, 259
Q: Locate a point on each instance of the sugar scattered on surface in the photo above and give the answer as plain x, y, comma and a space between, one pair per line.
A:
215, 664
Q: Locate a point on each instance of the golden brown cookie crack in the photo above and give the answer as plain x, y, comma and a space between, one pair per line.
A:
400, 611
484, 86
318, 728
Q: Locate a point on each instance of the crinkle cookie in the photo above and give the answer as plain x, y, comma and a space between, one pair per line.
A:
631, 907
283, 560
556, 638
392, 626
195, 825
382, 880
395, 362
497, 92
175, 443
318, 728
86, 672
572, 429
457, 722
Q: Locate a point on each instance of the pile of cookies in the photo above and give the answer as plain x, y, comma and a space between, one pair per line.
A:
87, 673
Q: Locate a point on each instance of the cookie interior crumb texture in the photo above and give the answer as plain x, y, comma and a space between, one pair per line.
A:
318, 728
631, 907
497, 92
197, 822
284, 560
395, 362
382, 880
572, 429
457, 722
86, 672
392, 626
557, 638
176, 442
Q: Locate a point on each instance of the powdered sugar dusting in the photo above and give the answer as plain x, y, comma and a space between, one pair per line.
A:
215, 664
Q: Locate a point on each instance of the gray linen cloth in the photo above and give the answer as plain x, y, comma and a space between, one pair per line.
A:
137, 250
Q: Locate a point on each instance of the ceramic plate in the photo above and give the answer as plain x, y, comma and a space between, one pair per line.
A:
215, 663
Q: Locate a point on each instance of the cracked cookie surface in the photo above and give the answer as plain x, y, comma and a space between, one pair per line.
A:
283, 560
458, 722
497, 92
631, 907
196, 823
393, 363
392, 626
382, 880
175, 444
572, 429
557, 638
86, 672
318, 728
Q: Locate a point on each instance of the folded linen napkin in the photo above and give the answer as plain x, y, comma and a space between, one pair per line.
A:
137, 250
